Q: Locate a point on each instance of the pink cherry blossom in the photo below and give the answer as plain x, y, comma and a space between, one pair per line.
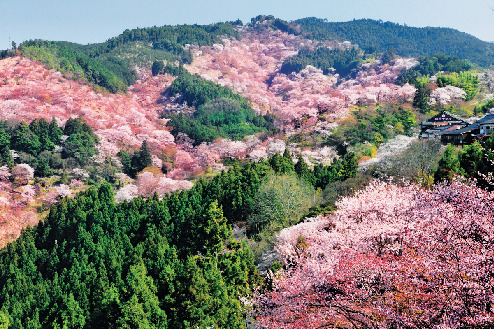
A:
63, 190
148, 183
391, 256
28, 192
22, 173
126, 193
4, 173
446, 94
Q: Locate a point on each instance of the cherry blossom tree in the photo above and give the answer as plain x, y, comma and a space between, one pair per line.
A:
4, 173
63, 190
446, 94
28, 192
391, 256
148, 183
21, 173
126, 193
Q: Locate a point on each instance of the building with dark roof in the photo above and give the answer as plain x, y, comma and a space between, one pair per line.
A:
443, 122
467, 135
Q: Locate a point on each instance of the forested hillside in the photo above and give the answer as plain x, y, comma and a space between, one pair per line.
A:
107, 64
406, 41
266, 175
169, 263
341, 61
219, 111
95, 264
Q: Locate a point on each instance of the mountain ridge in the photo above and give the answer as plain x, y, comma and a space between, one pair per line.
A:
416, 41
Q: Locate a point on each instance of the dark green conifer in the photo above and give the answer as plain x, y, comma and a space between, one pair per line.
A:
448, 166
24, 140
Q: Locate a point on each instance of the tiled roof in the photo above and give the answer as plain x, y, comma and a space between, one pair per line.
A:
476, 125
440, 115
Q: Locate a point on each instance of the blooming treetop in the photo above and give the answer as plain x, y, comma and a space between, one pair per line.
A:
391, 256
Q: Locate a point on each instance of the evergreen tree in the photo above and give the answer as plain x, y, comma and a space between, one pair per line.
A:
41, 128
421, 98
350, 165
470, 159
303, 171
144, 159
389, 55
276, 162
79, 146
24, 140
109, 311
75, 126
142, 309
71, 314
43, 168
141, 159
448, 166
126, 161
4, 137
54, 131
214, 230
288, 165
282, 164
6, 158
157, 67
134, 315
81, 140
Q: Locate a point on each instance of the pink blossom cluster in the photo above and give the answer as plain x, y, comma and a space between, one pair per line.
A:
121, 121
148, 183
219, 149
30, 91
127, 193
147, 91
254, 148
63, 190
391, 256
5, 173
250, 67
22, 173
16, 201
19, 195
446, 94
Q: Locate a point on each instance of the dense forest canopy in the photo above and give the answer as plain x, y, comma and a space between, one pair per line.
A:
180, 35
110, 73
102, 65
407, 41
35, 145
169, 263
274, 23
341, 61
95, 264
430, 65
220, 112
129, 251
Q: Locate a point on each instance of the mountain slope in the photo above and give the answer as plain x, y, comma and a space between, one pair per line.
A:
251, 66
167, 260
407, 41
308, 105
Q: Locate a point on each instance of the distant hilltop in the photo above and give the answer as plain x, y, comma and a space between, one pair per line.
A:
368, 34
407, 41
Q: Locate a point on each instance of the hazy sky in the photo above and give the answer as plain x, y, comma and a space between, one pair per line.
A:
93, 21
